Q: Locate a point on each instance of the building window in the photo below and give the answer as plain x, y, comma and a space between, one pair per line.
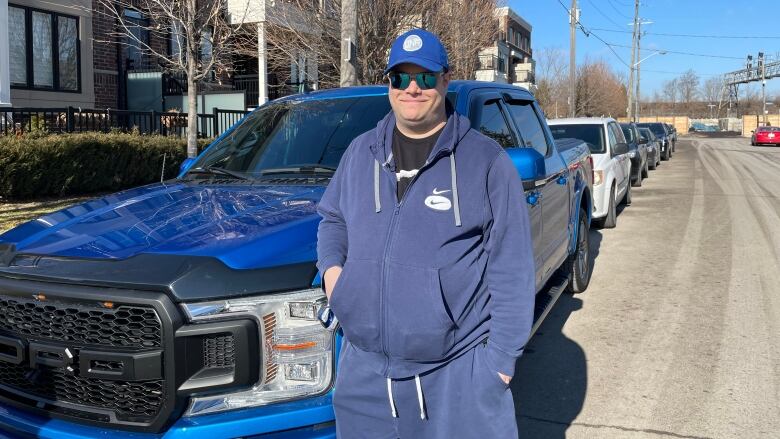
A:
137, 44
501, 64
47, 50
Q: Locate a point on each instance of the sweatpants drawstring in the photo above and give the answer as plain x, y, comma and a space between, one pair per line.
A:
390, 397
420, 397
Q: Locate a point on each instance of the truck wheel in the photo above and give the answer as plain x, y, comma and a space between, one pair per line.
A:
665, 156
578, 263
610, 221
645, 173
655, 163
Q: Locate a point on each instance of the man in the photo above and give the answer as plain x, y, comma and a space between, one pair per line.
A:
427, 260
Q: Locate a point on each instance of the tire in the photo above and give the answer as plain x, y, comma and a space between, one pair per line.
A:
645, 172
665, 155
610, 221
638, 181
626, 201
578, 266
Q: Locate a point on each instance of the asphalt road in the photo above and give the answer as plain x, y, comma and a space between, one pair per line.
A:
678, 334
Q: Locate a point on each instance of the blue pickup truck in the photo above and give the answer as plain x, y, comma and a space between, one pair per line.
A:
189, 308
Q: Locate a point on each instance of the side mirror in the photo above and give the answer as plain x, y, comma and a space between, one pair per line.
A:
530, 164
620, 148
186, 164
643, 140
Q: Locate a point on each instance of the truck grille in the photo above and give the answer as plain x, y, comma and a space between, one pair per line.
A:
125, 326
113, 329
130, 401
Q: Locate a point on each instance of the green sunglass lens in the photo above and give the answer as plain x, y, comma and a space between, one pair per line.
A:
400, 80
426, 80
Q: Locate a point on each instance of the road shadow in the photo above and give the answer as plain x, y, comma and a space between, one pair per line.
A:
551, 377
595, 238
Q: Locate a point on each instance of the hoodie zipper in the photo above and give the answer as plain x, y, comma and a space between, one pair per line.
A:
388, 249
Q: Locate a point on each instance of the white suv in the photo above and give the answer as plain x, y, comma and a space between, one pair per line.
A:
611, 164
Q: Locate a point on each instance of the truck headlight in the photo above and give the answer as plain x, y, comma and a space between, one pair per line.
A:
632, 154
297, 351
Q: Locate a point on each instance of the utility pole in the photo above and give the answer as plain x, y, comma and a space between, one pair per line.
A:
348, 40
638, 67
762, 72
574, 19
633, 60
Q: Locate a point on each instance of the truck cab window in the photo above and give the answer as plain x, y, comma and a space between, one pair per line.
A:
530, 128
493, 124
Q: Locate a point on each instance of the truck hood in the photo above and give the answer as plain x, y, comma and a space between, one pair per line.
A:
245, 226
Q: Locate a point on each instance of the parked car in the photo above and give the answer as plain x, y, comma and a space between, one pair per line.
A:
660, 132
672, 135
765, 136
637, 152
653, 147
188, 308
611, 164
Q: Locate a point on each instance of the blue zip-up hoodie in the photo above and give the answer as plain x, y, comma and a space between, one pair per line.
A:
430, 276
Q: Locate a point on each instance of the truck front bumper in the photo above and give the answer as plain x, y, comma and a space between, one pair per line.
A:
309, 419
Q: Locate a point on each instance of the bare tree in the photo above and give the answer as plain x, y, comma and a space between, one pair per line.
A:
670, 93
465, 27
201, 34
688, 85
600, 90
379, 23
552, 81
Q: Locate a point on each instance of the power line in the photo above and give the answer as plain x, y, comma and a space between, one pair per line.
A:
588, 33
733, 37
685, 53
602, 13
618, 11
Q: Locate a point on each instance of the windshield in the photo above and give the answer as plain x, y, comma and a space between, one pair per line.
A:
628, 133
768, 129
593, 135
647, 133
291, 135
656, 128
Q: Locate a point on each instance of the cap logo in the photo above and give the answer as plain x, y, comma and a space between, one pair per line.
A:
413, 43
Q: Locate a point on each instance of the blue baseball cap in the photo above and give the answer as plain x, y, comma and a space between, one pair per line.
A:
421, 48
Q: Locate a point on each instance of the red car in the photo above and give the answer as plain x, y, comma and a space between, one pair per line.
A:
766, 135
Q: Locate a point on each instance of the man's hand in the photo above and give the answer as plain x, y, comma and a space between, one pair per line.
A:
504, 378
329, 279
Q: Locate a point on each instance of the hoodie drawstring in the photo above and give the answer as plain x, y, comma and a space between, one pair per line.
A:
454, 176
393, 411
420, 398
377, 203
454, 179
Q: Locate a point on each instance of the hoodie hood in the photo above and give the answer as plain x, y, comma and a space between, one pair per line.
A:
455, 129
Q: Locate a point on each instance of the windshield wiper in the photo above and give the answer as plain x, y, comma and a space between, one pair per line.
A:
218, 171
306, 169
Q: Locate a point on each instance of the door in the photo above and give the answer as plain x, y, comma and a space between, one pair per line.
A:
618, 161
489, 117
554, 192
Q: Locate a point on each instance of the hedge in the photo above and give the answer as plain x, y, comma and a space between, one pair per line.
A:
83, 163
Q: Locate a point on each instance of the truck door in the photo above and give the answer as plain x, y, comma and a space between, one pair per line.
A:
555, 191
489, 117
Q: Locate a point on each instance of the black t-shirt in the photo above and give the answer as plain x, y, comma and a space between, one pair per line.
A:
410, 155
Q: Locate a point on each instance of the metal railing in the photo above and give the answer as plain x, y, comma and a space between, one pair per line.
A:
18, 121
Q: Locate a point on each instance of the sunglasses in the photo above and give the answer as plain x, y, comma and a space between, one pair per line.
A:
424, 80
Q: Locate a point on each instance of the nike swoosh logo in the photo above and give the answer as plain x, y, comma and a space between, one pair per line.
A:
436, 192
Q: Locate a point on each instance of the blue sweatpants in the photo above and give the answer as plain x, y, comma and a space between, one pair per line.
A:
463, 399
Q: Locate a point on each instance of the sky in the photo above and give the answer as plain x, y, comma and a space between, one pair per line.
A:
707, 18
